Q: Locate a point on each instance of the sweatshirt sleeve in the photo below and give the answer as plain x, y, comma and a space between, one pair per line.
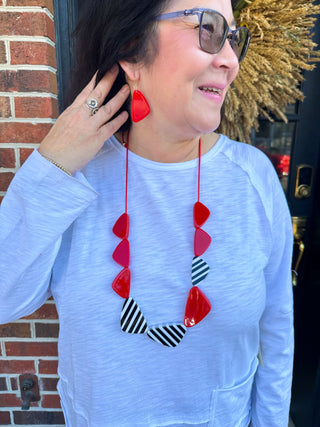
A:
272, 387
41, 203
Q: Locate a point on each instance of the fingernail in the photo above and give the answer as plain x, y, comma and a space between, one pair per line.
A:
125, 89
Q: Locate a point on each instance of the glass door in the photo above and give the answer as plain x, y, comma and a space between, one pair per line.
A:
294, 150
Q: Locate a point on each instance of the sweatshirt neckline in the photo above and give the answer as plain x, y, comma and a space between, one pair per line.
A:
151, 164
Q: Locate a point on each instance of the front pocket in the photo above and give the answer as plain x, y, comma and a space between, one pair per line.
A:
231, 407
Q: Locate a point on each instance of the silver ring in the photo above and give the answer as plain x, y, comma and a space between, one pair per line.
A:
92, 104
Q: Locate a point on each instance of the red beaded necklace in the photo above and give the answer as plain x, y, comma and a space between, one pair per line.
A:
197, 307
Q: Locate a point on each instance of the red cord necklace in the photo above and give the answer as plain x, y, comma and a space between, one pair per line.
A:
197, 307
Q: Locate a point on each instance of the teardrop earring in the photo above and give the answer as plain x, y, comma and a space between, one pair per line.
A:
140, 108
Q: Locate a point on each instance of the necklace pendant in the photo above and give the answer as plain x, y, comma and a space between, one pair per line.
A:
121, 254
168, 335
197, 307
200, 214
121, 227
121, 284
200, 270
132, 320
202, 241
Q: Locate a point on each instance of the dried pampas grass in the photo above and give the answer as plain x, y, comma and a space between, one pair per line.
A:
270, 75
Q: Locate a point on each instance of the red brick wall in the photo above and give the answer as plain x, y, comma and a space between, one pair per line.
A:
28, 107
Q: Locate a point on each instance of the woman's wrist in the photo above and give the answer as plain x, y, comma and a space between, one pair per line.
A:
57, 164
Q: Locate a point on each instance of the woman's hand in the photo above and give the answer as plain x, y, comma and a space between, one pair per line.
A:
77, 135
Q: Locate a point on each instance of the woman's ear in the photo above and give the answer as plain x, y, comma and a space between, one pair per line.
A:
131, 70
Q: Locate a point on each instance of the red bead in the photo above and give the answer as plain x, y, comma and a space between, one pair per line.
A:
202, 241
121, 227
121, 284
200, 214
198, 306
140, 107
121, 254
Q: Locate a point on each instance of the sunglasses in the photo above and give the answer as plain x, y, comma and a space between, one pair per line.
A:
214, 31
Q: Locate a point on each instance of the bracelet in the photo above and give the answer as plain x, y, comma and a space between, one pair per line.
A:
58, 165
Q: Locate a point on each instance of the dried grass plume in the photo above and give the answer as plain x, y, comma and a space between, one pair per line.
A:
270, 75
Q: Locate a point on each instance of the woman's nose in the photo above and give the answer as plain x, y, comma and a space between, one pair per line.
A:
227, 57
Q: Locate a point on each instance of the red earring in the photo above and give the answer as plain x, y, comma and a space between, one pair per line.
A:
140, 107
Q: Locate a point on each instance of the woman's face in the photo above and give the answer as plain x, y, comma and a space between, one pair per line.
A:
177, 83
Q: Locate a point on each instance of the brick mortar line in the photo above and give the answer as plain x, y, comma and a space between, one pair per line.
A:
12, 106
32, 408
29, 340
36, 9
19, 145
3, 350
46, 392
17, 158
32, 120
32, 330
35, 320
28, 358
29, 95
41, 376
8, 54
29, 425
8, 383
36, 39
37, 425
27, 67
6, 170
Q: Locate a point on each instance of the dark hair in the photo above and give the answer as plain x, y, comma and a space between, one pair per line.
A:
234, 3
110, 31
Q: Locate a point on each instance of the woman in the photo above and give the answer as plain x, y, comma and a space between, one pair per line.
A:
143, 340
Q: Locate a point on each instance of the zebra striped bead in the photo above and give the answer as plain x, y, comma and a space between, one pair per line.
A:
132, 320
200, 270
168, 335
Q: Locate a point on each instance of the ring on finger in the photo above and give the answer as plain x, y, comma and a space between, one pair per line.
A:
92, 105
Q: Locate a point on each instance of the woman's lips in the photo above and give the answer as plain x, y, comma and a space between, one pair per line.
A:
212, 92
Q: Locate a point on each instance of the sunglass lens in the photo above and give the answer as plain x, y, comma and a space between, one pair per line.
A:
241, 42
213, 31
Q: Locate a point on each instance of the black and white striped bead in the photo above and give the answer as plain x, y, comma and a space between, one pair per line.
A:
200, 270
168, 335
132, 319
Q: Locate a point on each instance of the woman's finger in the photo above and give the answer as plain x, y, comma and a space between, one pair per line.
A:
101, 90
111, 127
107, 111
82, 96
